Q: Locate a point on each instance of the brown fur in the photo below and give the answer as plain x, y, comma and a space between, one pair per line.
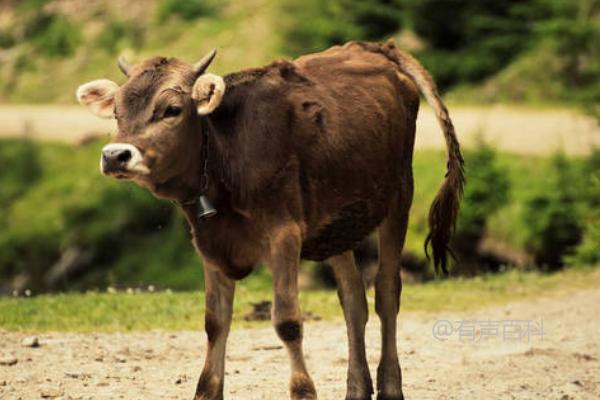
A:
305, 158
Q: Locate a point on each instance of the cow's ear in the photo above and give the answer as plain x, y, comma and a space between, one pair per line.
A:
99, 96
208, 92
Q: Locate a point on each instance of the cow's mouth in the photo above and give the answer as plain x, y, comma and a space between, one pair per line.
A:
121, 176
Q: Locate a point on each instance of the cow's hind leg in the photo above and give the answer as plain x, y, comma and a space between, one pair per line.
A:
285, 256
388, 287
351, 291
219, 307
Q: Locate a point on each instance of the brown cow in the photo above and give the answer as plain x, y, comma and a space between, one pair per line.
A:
301, 159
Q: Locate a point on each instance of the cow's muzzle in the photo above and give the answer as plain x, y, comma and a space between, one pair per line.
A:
122, 160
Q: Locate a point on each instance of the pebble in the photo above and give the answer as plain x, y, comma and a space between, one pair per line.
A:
51, 392
8, 360
77, 375
31, 341
181, 379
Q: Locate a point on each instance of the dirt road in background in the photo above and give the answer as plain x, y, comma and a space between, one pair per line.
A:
565, 365
519, 130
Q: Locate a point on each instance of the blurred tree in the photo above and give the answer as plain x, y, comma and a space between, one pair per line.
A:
574, 30
470, 39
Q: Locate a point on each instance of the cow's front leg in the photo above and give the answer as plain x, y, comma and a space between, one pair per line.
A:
219, 291
285, 246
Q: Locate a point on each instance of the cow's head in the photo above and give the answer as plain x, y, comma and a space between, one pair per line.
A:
158, 112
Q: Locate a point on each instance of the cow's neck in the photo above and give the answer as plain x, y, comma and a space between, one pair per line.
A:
185, 186
205, 175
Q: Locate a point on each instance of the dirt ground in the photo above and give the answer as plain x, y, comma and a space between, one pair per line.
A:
564, 364
514, 129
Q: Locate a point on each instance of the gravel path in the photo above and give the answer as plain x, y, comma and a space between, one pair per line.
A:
164, 365
519, 130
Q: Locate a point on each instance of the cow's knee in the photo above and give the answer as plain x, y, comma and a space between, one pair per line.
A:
289, 330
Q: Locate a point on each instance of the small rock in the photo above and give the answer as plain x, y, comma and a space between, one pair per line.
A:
31, 341
77, 375
51, 392
268, 347
181, 379
8, 360
3, 383
584, 357
120, 358
430, 379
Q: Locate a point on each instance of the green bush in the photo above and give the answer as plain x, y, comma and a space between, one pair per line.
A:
487, 190
7, 40
20, 169
314, 25
552, 217
116, 32
72, 209
54, 35
185, 9
588, 252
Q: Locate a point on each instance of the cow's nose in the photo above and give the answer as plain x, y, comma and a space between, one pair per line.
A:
115, 159
116, 156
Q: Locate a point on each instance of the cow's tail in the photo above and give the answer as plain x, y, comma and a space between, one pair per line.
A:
445, 206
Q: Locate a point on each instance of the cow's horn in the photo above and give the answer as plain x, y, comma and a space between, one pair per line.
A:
123, 65
201, 65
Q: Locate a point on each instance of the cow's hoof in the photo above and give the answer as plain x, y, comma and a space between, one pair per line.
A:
209, 387
302, 388
208, 396
381, 396
362, 391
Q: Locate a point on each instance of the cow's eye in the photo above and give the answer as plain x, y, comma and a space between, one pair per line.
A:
172, 111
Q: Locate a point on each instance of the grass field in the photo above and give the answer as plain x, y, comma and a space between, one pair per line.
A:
115, 312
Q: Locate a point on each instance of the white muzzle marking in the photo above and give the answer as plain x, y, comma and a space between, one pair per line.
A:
134, 164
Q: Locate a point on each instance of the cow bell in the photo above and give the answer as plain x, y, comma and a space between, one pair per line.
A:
205, 209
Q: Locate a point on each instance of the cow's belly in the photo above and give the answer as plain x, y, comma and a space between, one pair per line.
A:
344, 232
